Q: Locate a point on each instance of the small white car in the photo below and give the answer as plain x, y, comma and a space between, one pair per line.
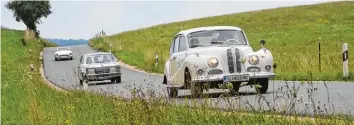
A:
63, 53
206, 57
99, 67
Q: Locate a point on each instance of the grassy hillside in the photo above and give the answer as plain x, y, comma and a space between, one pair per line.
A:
291, 34
25, 99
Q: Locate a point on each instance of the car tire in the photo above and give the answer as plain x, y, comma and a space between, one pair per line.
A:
81, 82
71, 58
235, 87
172, 92
264, 83
119, 79
56, 59
195, 88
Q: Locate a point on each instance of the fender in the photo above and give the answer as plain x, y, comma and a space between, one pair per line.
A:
167, 72
265, 58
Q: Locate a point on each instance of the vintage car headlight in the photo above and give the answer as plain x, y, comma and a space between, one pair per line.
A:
90, 71
213, 62
253, 60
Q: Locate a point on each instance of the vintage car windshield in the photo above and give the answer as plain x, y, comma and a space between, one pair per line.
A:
63, 48
216, 37
99, 58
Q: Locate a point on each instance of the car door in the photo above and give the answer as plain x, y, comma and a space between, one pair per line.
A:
181, 56
173, 58
79, 68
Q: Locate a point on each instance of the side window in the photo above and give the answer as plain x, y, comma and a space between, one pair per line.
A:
182, 44
88, 60
176, 42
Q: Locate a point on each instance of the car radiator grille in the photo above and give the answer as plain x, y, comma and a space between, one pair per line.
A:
238, 62
101, 70
230, 61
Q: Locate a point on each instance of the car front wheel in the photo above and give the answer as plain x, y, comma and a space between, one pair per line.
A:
119, 79
264, 85
81, 82
236, 86
195, 88
172, 92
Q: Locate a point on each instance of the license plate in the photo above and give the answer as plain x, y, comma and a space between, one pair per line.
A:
101, 77
233, 78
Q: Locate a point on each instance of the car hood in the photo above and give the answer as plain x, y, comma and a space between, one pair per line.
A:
95, 65
63, 52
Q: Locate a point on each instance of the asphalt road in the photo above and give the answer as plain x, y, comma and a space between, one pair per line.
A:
332, 97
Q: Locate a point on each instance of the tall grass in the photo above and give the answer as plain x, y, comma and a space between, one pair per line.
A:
291, 34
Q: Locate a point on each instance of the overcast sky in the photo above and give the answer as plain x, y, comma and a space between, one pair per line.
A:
82, 19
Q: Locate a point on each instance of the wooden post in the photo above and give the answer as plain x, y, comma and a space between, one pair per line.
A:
156, 59
319, 54
120, 44
345, 60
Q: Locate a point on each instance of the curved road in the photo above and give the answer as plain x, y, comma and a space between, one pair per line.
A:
331, 97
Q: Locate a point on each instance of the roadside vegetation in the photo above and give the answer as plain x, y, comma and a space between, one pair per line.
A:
291, 34
26, 99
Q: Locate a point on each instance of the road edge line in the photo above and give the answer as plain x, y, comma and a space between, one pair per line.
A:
45, 80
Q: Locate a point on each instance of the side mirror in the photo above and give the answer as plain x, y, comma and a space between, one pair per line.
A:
262, 42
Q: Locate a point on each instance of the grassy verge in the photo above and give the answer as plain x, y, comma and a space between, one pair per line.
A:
291, 33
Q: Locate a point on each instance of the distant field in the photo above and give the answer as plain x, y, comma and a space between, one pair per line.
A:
292, 35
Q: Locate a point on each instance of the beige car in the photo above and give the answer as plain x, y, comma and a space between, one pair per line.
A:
209, 56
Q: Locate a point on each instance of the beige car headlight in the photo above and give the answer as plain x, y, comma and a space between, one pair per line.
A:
253, 60
213, 62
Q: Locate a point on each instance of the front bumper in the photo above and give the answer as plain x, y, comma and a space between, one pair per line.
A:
220, 77
64, 56
103, 76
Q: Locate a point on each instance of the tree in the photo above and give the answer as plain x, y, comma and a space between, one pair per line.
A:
30, 13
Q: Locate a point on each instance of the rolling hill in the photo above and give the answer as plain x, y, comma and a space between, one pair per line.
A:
291, 34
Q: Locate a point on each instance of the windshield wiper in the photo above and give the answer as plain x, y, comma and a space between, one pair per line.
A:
193, 46
216, 42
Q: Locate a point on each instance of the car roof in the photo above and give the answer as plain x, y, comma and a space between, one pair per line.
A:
186, 32
91, 54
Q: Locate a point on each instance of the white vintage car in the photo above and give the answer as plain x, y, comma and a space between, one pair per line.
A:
63, 53
99, 67
208, 56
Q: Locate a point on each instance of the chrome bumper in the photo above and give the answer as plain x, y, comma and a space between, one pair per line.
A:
220, 77
64, 56
103, 76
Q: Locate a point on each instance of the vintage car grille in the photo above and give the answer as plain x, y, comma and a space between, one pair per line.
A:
215, 71
102, 70
238, 62
230, 61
